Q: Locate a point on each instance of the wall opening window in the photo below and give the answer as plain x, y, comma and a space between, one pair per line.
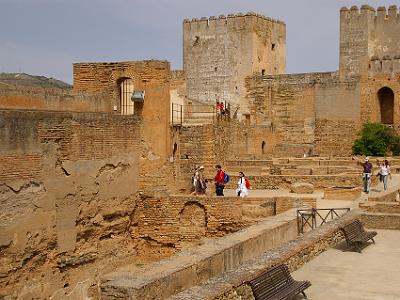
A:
126, 89
196, 40
386, 105
263, 72
272, 46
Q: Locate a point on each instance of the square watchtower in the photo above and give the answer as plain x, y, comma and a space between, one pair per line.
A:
219, 53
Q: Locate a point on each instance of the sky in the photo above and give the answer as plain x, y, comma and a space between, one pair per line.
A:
45, 37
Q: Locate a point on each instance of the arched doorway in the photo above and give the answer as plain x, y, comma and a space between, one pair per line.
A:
263, 147
386, 105
126, 89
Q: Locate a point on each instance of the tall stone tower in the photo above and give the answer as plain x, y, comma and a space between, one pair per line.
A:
219, 53
368, 39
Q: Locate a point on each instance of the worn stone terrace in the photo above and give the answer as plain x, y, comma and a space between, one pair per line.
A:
373, 274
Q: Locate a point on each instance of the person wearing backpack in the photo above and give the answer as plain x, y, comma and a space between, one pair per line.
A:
220, 179
243, 186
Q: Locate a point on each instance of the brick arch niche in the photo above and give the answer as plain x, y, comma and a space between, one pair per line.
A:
386, 105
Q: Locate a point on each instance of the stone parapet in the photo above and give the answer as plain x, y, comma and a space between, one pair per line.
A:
233, 285
167, 277
342, 193
381, 220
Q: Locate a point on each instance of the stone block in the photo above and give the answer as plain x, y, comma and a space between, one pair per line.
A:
302, 188
342, 193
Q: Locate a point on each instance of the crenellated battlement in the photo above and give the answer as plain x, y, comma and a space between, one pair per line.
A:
386, 64
237, 19
380, 14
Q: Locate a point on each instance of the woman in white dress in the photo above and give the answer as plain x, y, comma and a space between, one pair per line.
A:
242, 186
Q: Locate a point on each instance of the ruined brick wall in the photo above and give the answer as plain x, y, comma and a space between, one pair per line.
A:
153, 77
172, 221
285, 203
33, 98
218, 53
67, 187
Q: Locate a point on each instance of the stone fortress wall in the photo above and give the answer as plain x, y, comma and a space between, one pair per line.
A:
79, 188
65, 191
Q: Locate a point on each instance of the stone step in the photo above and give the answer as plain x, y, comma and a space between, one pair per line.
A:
387, 196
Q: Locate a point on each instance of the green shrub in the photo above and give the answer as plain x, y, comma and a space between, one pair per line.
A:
376, 140
395, 146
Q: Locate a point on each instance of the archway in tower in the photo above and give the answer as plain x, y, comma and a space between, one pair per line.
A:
386, 105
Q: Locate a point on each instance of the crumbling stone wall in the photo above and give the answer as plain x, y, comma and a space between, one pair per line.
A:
75, 206
67, 189
35, 98
153, 77
172, 221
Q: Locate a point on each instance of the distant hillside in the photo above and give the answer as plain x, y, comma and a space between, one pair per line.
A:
23, 79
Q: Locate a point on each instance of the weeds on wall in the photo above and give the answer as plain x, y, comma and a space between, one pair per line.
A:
377, 139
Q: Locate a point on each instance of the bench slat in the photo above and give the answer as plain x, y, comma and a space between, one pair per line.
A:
277, 283
355, 233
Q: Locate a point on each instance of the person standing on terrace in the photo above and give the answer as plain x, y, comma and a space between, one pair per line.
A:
384, 172
243, 186
219, 180
367, 172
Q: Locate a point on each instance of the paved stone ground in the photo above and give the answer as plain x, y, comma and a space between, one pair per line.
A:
321, 203
373, 274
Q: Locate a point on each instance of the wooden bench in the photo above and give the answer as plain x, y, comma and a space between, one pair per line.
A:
356, 235
276, 284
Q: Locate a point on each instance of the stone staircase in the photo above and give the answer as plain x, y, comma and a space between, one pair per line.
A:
197, 149
198, 120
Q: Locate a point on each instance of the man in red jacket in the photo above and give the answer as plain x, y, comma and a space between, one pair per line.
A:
219, 181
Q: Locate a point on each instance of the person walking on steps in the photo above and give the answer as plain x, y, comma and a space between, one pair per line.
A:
367, 172
219, 180
384, 173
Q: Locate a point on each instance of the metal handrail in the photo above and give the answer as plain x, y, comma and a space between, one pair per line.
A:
180, 113
309, 217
